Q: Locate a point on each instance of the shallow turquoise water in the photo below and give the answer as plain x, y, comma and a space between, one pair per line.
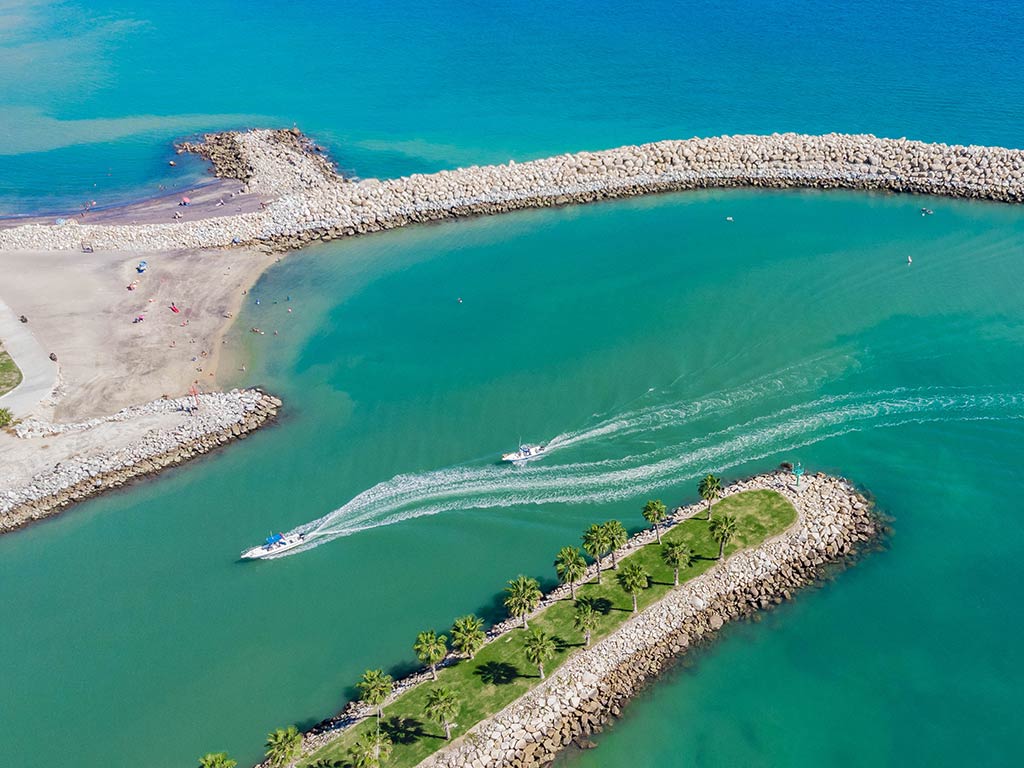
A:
654, 340
689, 344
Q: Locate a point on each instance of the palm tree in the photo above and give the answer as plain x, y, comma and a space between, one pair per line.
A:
723, 528
325, 762
676, 555
617, 537
374, 689
468, 635
571, 567
654, 513
585, 620
540, 647
217, 760
710, 488
634, 579
596, 544
523, 596
443, 707
283, 746
371, 750
431, 648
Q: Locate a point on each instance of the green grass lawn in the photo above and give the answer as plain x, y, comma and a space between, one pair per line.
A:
500, 673
10, 376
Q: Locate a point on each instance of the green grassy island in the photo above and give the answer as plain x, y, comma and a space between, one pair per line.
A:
500, 672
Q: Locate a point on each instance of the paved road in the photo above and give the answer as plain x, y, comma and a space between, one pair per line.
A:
39, 374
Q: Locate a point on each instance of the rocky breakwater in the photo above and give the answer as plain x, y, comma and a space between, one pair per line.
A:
593, 685
306, 200
188, 427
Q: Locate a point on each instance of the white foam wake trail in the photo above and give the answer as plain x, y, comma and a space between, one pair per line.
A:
467, 487
796, 378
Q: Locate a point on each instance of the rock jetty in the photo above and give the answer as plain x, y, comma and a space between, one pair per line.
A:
834, 521
205, 422
593, 685
307, 200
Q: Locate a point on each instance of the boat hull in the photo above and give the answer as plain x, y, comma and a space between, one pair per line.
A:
521, 456
263, 551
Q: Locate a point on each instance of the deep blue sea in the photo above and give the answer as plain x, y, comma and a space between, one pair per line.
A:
663, 344
92, 93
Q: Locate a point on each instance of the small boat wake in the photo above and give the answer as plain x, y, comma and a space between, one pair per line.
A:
799, 377
464, 487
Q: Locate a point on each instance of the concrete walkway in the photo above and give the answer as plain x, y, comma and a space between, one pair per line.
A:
39, 374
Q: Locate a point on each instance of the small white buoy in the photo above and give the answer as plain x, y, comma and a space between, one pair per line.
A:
460, 299
728, 218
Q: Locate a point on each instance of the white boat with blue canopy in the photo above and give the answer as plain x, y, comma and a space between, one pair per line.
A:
525, 453
274, 544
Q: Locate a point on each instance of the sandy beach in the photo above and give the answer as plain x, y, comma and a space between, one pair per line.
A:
214, 197
80, 309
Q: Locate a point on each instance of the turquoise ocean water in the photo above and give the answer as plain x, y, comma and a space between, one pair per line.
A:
650, 339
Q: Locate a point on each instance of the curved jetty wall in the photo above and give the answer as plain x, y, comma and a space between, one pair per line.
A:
593, 684
307, 200
206, 422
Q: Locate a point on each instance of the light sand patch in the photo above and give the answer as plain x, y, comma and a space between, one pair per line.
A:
80, 309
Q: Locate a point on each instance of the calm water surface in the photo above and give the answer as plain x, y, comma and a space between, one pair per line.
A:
651, 339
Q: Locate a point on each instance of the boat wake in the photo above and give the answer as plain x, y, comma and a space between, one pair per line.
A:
409, 496
800, 377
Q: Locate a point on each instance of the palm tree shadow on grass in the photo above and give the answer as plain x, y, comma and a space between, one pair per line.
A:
496, 672
403, 730
600, 605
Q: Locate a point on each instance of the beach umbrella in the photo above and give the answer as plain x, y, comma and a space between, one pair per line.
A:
185, 200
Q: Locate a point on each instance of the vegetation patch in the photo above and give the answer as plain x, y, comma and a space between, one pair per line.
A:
414, 725
10, 376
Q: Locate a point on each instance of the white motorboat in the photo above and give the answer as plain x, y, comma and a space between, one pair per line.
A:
275, 544
525, 453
